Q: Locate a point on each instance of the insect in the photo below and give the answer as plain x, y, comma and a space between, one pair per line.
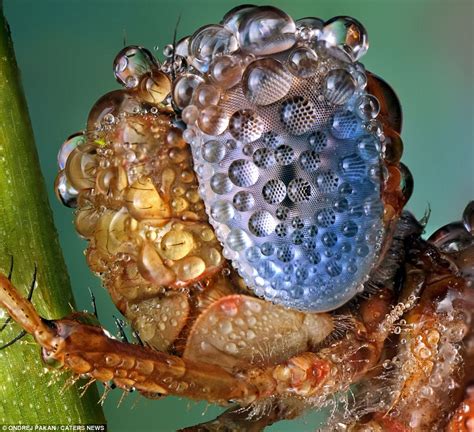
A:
243, 203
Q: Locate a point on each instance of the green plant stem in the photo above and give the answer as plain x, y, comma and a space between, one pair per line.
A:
28, 394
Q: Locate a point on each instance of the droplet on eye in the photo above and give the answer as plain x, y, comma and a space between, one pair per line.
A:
245, 126
303, 62
266, 81
339, 86
265, 30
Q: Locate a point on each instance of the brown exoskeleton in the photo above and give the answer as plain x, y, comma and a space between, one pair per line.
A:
406, 340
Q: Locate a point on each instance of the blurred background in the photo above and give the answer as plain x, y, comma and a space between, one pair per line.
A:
423, 48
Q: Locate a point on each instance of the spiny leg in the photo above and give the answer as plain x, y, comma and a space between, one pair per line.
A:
30, 296
86, 349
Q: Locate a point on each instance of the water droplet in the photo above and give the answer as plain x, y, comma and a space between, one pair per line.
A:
245, 126
131, 63
265, 30
298, 115
213, 151
238, 240
243, 173
213, 120
68, 146
261, 223
266, 81
274, 191
208, 42
339, 86
220, 183
367, 107
222, 211
183, 89
303, 62
347, 36
243, 201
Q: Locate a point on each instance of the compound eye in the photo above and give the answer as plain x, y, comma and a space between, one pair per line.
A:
293, 180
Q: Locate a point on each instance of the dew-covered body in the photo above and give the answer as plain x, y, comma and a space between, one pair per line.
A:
243, 204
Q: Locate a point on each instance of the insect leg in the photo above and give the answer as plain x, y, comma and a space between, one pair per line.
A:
30, 293
23, 312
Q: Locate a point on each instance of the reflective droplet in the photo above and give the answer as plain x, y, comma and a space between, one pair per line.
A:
243, 173
339, 86
298, 115
262, 223
190, 115
243, 201
326, 217
233, 18
222, 211
310, 160
266, 81
299, 190
206, 94
367, 107
132, 63
354, 167
368, 147
182, 47
238, 240
274, 191
213, 151
183, 89
393, 146
318, 140
68, 146
112, 103
284, 155
213, 120
65, 193
189, 268
81, 166
345, 125
176, 245
349, 229
144, 201
154, 87
266, 30
226, 71
347, 36
303, 62
245, 126
311, 24
220, 183
211, 41
264, 158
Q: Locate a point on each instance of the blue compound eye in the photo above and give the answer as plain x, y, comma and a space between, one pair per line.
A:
296, 199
